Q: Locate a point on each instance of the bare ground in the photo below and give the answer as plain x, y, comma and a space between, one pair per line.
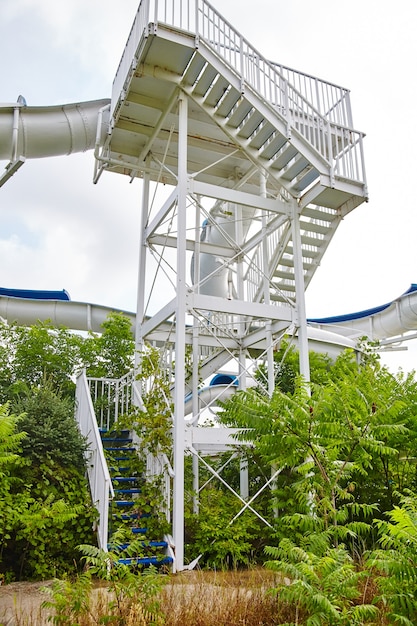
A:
20, 604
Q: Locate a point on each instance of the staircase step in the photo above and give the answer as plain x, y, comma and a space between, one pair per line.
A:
216, 92
313, 227
273, 147
143, 544
204, 80
284, 157
151, 560
125, 479
193, 70
114, 433
293, 170
305, 180
227, 103
121, 440
123, 503
240, 112
250, 124
131, 516
261, 137
131, 490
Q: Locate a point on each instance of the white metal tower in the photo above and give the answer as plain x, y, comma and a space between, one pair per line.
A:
259, 163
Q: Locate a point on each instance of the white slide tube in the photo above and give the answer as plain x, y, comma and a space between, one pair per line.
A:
81, 316
48, 131
84, 316
391, 320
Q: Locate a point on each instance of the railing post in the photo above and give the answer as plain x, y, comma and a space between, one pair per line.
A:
328, 130
196, 17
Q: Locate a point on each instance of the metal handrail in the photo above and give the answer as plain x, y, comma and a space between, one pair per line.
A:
97, 471
314, 108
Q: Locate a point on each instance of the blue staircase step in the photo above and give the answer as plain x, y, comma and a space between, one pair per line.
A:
115, 441
144, 544
132, 516
120, 448
114, 433
151, 560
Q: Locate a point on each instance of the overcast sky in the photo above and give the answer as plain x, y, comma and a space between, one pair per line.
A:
58, 230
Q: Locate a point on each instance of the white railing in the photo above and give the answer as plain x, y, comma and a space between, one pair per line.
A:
98, 474
159, 465
331, 101
112, 397
116, 397
315, 108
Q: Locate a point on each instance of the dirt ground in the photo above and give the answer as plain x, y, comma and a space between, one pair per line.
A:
20, 604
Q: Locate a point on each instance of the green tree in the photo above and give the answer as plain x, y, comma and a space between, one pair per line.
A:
394, 562
47, 480
31, 355
110, 353
330, 441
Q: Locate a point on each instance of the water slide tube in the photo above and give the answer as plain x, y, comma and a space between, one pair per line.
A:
381, 323
36, 132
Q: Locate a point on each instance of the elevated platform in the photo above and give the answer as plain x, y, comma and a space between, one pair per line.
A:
247, 118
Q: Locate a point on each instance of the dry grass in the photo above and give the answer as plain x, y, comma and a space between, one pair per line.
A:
217, 598
198, 598
189, 599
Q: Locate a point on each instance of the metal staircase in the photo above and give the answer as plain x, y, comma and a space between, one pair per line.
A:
116, 475
246, 116
124, 513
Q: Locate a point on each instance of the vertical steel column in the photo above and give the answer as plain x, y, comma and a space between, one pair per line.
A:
196, 353
180, 312
300, 303
267, 294
140, 302
240, 288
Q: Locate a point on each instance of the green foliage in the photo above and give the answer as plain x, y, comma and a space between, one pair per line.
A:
223, 544
44, 473
153, 424
31, 355
30, 515
70, 600
395, 562
322, 588
110, 354
52, 433
134, 593
43, 489
340, 447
